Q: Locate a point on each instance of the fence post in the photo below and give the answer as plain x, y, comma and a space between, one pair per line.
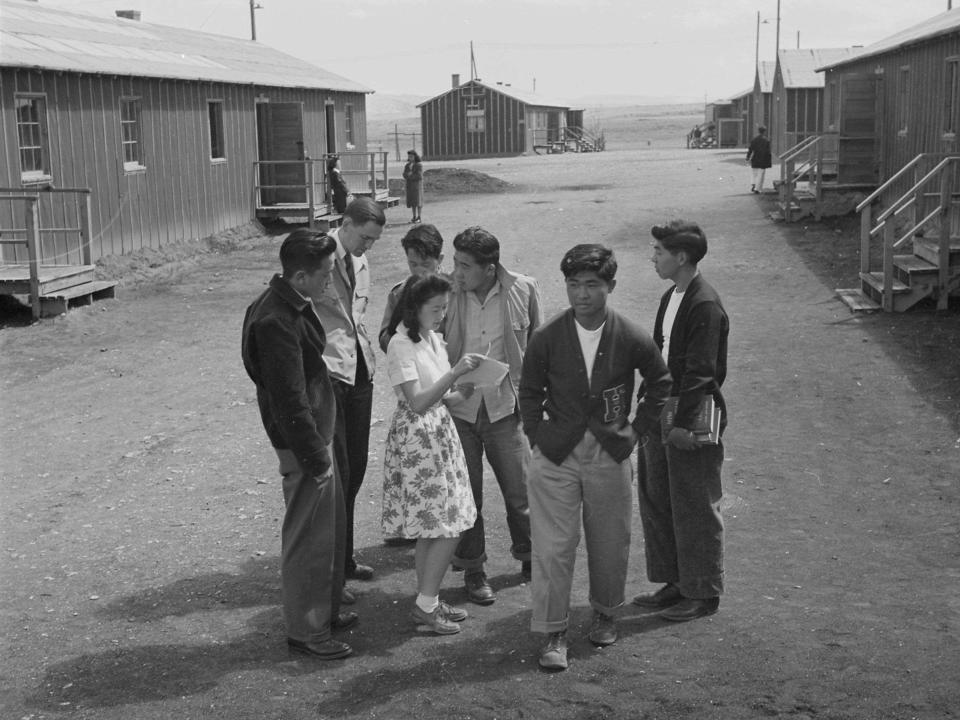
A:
373, 177
889, 238
866, 225
83, 205
33, 252
310, 198
943, 296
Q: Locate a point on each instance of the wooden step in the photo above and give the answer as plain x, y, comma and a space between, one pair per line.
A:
903, 297
910, 269
59, 301
856, 300
928, 248
875, 281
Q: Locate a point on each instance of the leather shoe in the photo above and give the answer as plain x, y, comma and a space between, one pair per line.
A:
666, 596
553, 655
344, 620
603, 632
359, 572
478, 589
347, 597
326, 650
691, 609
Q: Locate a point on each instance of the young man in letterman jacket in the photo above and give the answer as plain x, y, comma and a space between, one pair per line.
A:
575, 396
679, 488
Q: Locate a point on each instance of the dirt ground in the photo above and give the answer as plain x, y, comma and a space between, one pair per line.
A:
141, 504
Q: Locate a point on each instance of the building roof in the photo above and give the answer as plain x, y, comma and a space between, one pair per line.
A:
765, 72
740, 95
34, 36
527, 98
943, 24
799, 67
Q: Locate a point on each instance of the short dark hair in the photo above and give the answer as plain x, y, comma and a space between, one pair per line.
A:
415, 294
364, 210
332, 161
681, 235
305, 249
589, 258
480, 244
425, 240
416, 155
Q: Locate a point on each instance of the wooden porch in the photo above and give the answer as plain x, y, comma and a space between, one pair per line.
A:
298, 191
48, 259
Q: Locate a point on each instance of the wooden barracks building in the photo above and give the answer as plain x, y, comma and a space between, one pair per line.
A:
474, 119
162, 125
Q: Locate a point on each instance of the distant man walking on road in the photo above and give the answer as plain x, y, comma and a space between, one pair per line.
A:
283, 345
760, 158
679, 487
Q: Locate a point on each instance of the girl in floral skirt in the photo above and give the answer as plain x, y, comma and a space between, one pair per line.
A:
426, 490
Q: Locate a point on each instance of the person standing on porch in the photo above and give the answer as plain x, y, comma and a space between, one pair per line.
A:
760, 158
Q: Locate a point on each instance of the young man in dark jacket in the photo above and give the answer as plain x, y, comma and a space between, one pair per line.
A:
283, 345
575, 396
680, 488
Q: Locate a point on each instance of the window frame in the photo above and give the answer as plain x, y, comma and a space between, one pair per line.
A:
215, 128
903, 100
136, 164
476, 119
951, 110
348, 126
42, 148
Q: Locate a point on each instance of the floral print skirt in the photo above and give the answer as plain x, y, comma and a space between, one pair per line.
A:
426, 489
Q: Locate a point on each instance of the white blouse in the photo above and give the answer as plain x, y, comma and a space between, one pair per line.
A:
425, 361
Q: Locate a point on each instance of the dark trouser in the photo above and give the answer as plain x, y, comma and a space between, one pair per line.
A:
679, 493
351, 442
509, 455
311, 560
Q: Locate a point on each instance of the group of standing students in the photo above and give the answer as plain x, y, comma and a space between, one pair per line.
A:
555, 426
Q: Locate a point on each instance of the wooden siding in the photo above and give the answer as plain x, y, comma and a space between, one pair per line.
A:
180, 193
921, 108
444, 126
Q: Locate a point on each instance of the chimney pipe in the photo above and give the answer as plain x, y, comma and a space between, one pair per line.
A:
129, 14
455, 80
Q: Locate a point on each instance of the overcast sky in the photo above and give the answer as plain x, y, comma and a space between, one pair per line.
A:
569, 48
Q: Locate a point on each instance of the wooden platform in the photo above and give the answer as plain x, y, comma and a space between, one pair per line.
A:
60, 287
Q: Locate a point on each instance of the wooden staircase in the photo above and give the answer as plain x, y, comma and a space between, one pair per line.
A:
910, 250
810, 182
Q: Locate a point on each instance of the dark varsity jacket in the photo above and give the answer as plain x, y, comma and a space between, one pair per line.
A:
698, 349
558, 405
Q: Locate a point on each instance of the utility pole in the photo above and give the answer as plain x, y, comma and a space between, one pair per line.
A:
253, 19
777, 56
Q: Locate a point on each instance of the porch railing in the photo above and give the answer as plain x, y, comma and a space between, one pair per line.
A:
930, 201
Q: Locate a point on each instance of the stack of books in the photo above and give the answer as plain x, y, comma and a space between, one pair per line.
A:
706, 426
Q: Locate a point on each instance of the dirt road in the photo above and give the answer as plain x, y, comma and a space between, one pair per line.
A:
141, 505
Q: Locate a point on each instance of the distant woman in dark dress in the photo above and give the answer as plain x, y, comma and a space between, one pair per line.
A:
413, 175
760, 158
337, 185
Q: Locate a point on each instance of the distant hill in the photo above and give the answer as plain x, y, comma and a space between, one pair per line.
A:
400, 107
393, 107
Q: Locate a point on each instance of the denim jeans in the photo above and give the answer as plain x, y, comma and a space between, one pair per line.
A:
509, 455
679, 493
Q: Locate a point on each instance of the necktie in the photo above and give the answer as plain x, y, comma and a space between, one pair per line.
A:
348, 263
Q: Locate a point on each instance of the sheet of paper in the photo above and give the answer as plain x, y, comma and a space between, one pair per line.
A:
488, 373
